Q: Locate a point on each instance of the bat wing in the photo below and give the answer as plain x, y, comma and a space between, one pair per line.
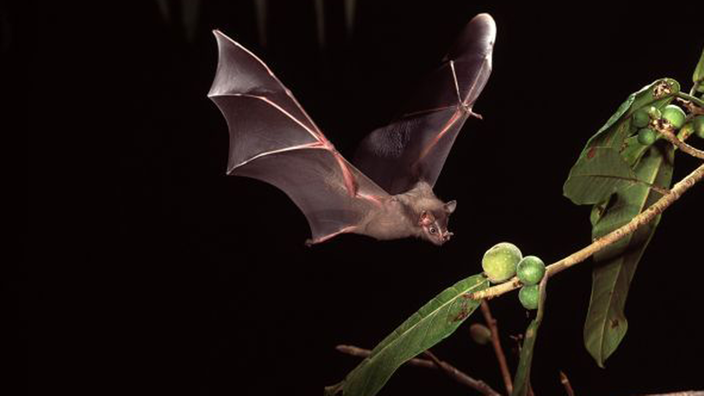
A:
274, 140
415, 146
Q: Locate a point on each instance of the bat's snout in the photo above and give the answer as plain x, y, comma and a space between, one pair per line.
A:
447, 235
444, 238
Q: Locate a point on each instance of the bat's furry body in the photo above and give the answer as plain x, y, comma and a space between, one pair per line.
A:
399, 216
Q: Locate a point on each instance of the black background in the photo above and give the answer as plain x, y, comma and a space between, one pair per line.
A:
152, 272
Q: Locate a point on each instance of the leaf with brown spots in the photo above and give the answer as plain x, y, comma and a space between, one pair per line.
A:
602, 169
436, 320
598, 175
606, 323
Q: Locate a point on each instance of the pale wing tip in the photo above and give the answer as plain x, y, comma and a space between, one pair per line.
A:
217, 33
485, 17
221, 39
476, 39
489, 26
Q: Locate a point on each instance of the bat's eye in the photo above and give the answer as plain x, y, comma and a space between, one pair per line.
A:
433, 230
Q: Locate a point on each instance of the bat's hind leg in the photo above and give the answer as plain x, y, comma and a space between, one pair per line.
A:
314, 241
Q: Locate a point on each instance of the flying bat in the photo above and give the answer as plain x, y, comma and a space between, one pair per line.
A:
387, 191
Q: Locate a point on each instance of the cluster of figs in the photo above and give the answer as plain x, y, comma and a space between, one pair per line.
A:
504, 261
646, 117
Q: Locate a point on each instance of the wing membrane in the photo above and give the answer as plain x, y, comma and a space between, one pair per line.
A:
414, 147
273, 139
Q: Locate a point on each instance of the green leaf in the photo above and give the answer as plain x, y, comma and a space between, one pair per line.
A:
598, 175
436, 320
698, 76
656, 94
606, 324
598, 172
521, 382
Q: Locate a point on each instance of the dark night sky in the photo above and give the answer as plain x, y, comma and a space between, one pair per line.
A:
152, 272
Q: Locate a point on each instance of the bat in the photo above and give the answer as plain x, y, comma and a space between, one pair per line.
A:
387, 192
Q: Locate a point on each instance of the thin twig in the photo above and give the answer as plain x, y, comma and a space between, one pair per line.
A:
432, 363
566, 383
690, 98
461, 377
667, 132
692, 107
498, 350
363, 353
577, 257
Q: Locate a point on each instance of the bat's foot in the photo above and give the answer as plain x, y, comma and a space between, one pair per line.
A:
468, 110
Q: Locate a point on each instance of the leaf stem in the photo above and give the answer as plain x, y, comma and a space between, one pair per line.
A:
577, 257
690, 98
498, 350
432, 363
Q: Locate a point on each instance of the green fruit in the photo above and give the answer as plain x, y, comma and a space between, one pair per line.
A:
641, 118
530, 270
654, 113
529, 296
499, 262
674, 115
699, 126
647, 136
480, 333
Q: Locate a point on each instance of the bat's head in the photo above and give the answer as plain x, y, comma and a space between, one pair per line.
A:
433, 223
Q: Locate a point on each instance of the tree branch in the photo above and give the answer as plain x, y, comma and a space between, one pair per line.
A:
498, 350
433, 363
577, 257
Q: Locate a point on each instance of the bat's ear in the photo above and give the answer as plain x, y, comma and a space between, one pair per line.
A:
425, 218
450, 206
